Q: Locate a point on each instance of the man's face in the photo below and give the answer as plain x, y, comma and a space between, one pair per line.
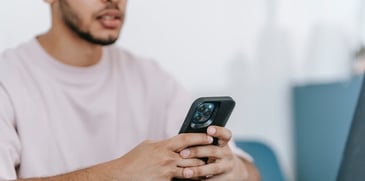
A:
96, 21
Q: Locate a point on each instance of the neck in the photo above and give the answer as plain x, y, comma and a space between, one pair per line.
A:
69, 48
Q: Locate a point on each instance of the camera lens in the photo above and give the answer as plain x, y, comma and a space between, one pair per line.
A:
207, 113
197, 117
201, 108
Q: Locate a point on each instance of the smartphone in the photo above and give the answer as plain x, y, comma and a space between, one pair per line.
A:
204, 112
207, 111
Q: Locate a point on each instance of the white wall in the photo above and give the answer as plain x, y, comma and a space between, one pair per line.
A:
250, 49
21, 20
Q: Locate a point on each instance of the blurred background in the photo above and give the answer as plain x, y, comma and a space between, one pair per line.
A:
292, 66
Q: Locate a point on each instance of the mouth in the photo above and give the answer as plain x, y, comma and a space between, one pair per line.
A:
110, 19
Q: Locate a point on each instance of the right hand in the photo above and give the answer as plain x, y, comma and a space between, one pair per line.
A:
158, 160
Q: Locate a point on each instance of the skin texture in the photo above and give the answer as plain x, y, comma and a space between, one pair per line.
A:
84, 32
150, 160
90, 30
223, 163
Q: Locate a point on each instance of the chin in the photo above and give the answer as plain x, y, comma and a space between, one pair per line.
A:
106, 42
108, 37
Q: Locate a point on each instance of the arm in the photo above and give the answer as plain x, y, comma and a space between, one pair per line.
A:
9, 141
248, 167
98, 172
149, 160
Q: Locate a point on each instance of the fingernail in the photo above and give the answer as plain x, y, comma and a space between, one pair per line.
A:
211, 130
188, 173
210, 139
185, 153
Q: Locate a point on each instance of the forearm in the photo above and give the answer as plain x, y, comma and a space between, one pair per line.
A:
252, 172
95, 173
80, 175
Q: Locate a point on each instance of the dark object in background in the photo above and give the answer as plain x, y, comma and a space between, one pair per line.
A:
353, 161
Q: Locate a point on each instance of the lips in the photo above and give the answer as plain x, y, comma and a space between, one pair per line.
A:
110, 19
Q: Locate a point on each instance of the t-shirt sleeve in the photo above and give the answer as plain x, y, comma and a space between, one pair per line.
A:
178, 106
9, 140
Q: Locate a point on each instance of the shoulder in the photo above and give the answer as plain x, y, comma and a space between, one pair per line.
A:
12, 56
7, 57
7, 62
12, 62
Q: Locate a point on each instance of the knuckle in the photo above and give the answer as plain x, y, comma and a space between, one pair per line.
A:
213, 151
184, 138
198, 172
229, 134
171, 158
228, 152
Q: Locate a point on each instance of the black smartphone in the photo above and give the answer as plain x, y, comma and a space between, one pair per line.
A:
207, 111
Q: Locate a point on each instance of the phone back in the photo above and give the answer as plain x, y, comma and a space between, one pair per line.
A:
207, 111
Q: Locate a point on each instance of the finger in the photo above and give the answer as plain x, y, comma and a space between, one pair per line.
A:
223, 135
210, 151
221, 177
217, 177
182, 141
190, 163
181, 174
206, 170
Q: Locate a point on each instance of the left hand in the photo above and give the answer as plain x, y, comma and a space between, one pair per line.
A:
223, 164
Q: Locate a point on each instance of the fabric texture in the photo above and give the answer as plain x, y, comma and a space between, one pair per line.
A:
56, 118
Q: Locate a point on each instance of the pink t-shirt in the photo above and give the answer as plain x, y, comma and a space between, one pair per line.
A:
56, 118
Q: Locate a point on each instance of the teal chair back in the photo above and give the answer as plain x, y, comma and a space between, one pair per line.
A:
265, 159
322, 119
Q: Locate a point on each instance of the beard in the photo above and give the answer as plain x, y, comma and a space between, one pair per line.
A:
73, 22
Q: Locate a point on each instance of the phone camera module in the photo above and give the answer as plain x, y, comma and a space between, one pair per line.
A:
203, 114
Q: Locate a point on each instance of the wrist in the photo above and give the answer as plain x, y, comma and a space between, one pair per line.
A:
248, 169
241, 168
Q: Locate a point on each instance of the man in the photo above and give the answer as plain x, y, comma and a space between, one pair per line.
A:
72, 108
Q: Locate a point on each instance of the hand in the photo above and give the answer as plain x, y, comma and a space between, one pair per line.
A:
150, 160
223, 164
153, 160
